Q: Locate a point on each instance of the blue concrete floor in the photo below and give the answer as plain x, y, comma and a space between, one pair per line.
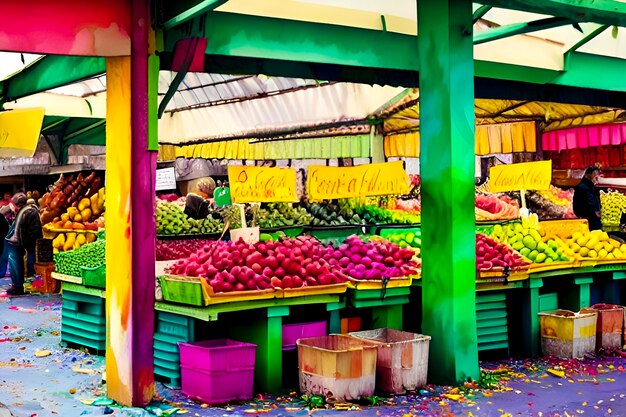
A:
55, 385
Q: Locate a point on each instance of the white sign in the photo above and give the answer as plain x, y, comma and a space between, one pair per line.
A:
165, 179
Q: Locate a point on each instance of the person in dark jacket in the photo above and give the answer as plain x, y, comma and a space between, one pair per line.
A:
26, 230
586, 202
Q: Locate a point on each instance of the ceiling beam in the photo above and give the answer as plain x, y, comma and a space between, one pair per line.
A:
500, 32
188, 14
49, 72
480, 12
591, 35
246, 36
609, 12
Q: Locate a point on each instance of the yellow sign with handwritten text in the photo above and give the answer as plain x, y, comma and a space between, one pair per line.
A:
251, 184
19, 132
359, 181
524, 176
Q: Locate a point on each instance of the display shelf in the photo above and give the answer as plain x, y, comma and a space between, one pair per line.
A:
67, 278
169, 330
81, 289
386, 304
264, 328
211, 236
492, 321
83, 319
211, 312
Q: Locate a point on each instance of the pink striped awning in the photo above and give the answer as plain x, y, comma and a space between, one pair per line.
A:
584, 137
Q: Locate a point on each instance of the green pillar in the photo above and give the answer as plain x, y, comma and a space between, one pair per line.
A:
447, 173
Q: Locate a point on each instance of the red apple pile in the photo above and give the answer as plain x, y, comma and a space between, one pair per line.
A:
171, 250
491, 254
239, 266
372, 260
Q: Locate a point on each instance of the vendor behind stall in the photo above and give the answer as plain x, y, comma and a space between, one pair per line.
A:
199, 198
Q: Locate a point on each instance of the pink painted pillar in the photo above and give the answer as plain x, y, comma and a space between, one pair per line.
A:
131, 170
142, 200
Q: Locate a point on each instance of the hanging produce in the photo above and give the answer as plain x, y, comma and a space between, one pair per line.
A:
613, 205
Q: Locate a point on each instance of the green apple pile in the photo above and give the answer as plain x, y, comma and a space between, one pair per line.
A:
530, 243
172, 220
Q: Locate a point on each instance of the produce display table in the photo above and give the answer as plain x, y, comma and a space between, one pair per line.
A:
573, 293
386, 304
83, 319
263, 328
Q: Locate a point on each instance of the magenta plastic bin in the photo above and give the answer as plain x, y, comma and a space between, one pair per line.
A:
293, 332
217, 371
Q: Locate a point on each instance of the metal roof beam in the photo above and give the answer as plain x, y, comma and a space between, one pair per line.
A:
506, 31
49, 72
608, 12
587, 38
193, 11
480, 12
245, 36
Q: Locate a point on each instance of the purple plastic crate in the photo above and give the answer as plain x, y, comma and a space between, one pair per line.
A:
217, 371
293, 332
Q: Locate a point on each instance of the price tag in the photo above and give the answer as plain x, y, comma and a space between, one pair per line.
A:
165, 179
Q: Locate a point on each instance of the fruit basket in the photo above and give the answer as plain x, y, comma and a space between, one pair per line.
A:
196, 291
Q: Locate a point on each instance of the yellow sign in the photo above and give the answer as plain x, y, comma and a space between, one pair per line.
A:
359, 181
250, 184
524, 176
19, 132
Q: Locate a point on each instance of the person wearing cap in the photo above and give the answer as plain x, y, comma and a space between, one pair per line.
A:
586, 203
22, 238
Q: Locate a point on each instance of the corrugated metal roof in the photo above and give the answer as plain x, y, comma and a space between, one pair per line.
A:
200, 89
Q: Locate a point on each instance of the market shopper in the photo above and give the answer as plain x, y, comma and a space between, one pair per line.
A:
586, 202
22, 238
199, 198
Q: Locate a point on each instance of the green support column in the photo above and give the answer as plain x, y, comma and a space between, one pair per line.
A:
579, 294
387, 316
447, 173
267, 334
334, 319
530, 318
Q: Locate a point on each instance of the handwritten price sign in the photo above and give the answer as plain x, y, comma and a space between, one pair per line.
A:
250, 184
359, 181
524, 176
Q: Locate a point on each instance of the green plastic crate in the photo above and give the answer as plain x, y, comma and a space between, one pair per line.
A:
94, 277
183, 290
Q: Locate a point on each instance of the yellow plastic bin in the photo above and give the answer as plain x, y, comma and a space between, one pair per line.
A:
402, 361
337, 365
566, 334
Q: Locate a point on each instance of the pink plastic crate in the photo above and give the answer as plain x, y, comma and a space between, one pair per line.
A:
217, 371
293, 332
